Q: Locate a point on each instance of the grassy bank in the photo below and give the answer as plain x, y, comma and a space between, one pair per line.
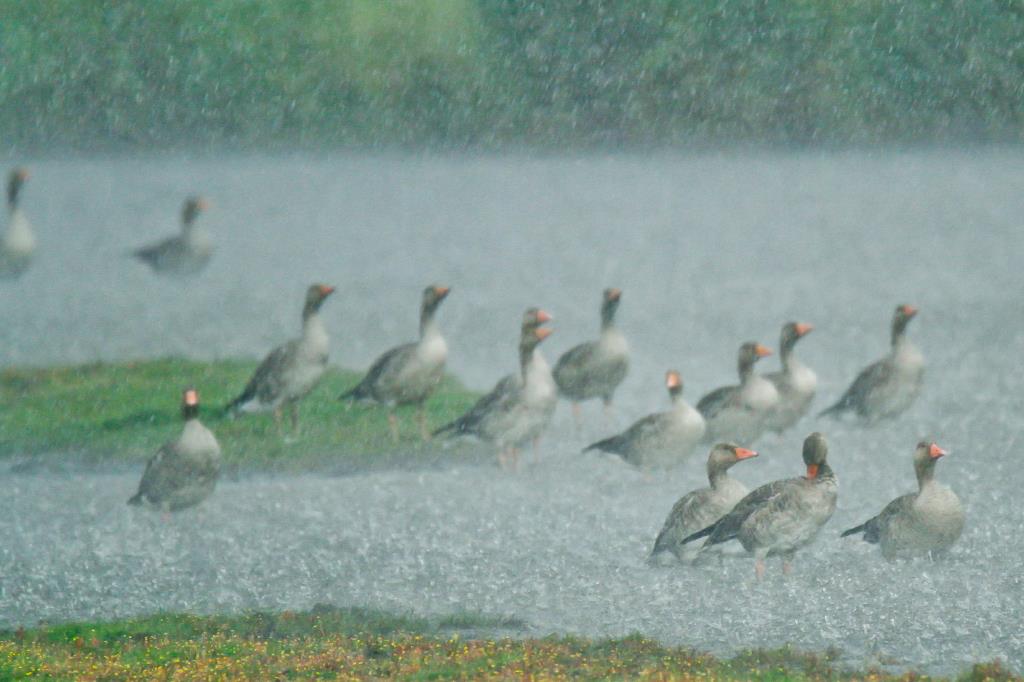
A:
330, 643
132, 74
125, 411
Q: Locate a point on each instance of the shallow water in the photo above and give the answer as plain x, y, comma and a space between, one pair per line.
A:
710, 251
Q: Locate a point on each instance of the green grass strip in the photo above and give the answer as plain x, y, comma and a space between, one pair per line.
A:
352, 643
124, 411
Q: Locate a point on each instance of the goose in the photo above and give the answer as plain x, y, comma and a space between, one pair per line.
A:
291, 370
596, 368
520, 406
780, 517
886, 388
927, 522
18, 243
184, 471
700, 508
186, 254
796, 383
662, 439
739, 413
408, 374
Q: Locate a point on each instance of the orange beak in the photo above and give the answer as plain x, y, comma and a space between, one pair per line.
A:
191, 397
543, 317
672, 379
614, 294
935, 451
909, 310
326, 290
543, 333
202, 204
812, 471
762, 351
803, 328
744, 453
441, 292
23, 175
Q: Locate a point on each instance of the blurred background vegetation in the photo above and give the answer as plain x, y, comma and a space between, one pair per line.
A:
493, 74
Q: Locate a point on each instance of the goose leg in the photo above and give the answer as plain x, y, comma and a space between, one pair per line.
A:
277, 420
759, 568
293, 412
393, 425
421, 419
577, 416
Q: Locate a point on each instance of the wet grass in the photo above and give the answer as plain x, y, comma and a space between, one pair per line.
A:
335, 643
124, 411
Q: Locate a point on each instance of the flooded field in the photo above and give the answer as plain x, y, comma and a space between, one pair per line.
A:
710, 251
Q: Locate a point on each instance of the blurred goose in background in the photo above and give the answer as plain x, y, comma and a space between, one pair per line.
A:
917, 524
19, 241
888, 387
596, 368
291, 370
700, 508
408, 374
796, 383
186, 254
661, 439
739, 413
184, 471
520, 406
780, 517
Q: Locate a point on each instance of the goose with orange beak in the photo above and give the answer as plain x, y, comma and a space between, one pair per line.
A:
700, 508
927, 522
886, 388
663, 439
796, 383
291, 370
410, 373
596, 368
739, 413
185, 254
520, 406
184, 471
18, 244
780, 517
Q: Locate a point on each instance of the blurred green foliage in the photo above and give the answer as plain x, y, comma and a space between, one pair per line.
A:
452, 74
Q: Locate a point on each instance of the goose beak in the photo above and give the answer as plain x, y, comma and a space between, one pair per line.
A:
744, 453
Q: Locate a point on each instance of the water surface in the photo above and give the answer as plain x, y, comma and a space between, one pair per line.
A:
709, 250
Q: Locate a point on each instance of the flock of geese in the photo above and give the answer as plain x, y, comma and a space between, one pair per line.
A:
776, 519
